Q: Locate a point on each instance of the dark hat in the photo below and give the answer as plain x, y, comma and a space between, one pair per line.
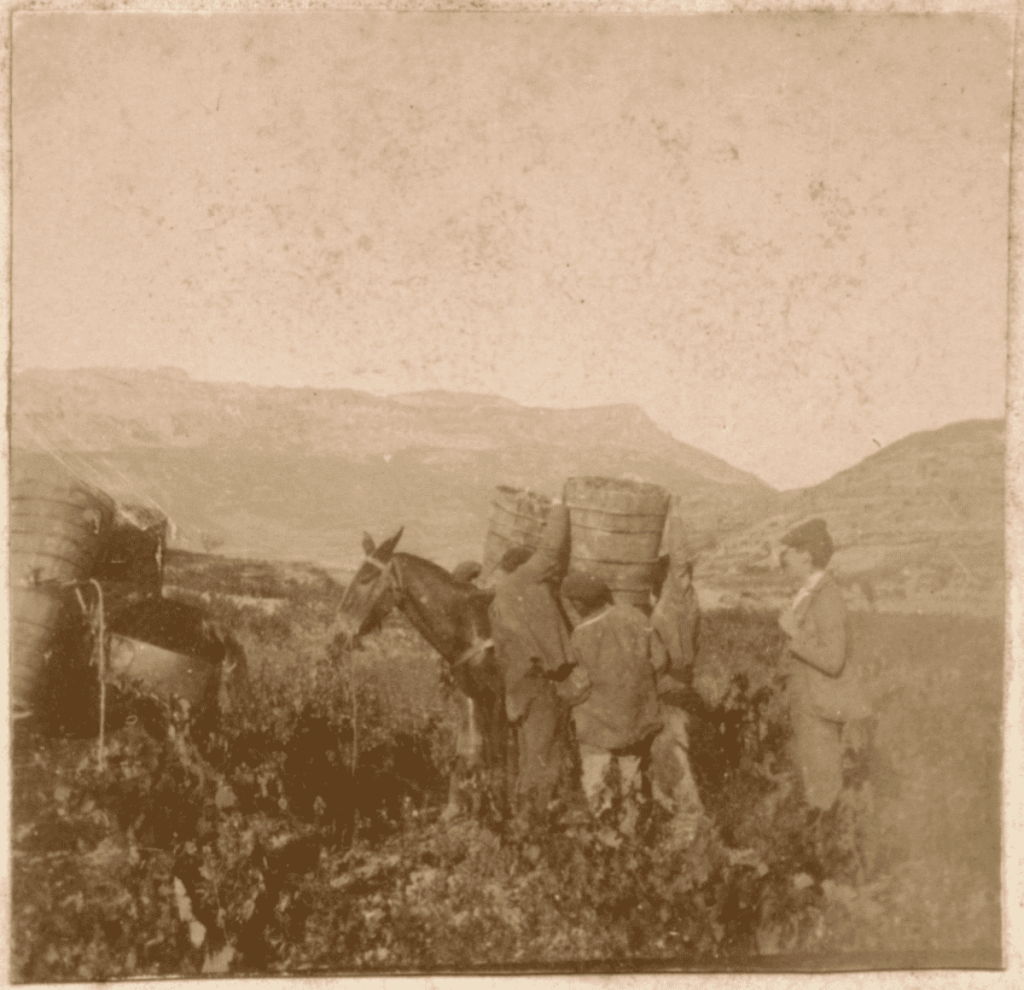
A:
468, 570
809, 536
585, 589
514, 558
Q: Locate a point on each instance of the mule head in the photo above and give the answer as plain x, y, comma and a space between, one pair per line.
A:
369, 590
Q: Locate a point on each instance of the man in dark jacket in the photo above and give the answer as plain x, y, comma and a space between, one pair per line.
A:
531, 641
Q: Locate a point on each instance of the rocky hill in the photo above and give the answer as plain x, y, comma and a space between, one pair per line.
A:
300, 473
918, 526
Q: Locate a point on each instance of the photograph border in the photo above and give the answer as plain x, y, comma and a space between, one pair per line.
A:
1013, 754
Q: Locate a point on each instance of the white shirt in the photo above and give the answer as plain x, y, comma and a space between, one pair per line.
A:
809, 585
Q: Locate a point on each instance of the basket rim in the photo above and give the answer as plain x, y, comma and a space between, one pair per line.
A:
615, 484
512, 490
518, 515
620, 532
617, 563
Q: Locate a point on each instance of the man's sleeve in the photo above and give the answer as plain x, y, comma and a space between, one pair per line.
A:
551, 555
657, 650
575, 688
824, 645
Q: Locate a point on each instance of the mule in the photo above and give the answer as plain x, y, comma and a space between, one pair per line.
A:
451, 615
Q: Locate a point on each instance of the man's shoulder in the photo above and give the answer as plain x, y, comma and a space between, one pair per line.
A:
828, 594
629, 615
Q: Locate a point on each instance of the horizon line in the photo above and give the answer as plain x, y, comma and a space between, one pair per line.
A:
183, 373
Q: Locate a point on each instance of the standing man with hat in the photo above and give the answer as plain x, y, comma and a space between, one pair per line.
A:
824, 682
675, 627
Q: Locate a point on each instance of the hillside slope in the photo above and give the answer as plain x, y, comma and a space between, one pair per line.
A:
300, 473
919, 526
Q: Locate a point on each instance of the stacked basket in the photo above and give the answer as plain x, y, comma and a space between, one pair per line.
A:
616, 528
518, 517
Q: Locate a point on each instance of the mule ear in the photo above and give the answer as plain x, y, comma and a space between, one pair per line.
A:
368, 544
387, 548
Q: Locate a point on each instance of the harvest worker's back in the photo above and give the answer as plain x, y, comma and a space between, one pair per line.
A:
616, 708
531, 639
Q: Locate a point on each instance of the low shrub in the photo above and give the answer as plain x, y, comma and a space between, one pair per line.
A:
303, 834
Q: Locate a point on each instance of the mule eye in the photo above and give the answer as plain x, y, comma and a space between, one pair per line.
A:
368, 576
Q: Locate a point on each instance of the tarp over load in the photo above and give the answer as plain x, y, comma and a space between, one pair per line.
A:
132, 564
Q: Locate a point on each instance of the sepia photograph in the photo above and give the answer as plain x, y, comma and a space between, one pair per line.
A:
507, 492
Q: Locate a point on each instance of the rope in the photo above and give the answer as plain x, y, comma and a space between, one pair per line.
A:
145, 496
355, 711
477, 647
471, 713
84, 470
75, 472
102, 670
100, 655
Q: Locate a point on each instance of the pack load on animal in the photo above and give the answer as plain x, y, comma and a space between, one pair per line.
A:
59, 529
135, 551
615, 528
517, 520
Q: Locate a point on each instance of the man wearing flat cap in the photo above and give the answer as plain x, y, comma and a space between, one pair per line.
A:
824, 682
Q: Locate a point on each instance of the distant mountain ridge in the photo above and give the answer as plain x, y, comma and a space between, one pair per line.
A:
115, 409
299, 473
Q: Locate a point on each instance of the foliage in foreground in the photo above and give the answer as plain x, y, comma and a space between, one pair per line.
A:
304, 835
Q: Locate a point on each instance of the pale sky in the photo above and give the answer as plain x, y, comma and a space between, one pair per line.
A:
783, 236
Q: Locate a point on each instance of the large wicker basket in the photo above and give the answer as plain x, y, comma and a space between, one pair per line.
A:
518, 517
615, 528
59, 526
